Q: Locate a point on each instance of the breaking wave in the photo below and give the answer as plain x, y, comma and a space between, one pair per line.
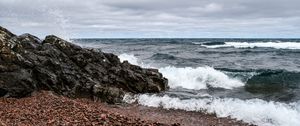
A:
276, 45
192, 78
254, 111
198, 78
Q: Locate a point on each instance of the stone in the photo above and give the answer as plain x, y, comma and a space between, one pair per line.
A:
28, 64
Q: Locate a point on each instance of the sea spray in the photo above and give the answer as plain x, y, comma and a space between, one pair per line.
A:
130, 58
61, 23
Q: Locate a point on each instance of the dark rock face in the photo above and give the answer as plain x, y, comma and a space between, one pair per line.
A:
28, 64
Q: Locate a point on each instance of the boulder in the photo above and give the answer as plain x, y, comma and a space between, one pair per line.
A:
28, 64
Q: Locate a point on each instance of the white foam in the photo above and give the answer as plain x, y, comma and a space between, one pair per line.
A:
198, 78
254, 111
130, 58
276, 45
191, 78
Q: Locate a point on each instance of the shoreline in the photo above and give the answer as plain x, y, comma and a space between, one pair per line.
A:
46, 108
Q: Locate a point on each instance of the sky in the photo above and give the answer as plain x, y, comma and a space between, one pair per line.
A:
153, 18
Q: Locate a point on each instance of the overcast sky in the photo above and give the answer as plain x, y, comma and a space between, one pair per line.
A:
153, 18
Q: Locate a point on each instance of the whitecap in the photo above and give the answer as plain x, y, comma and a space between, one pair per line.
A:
199, 78
276, 45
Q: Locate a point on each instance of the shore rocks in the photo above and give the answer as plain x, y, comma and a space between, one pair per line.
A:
28, 64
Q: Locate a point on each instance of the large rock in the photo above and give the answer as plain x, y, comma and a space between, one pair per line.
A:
28, 64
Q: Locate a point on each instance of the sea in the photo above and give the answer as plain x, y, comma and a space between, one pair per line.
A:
253, 80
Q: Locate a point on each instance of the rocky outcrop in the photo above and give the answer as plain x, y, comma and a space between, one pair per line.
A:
28, 64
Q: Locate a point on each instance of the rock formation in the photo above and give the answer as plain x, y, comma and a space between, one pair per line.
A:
28, 64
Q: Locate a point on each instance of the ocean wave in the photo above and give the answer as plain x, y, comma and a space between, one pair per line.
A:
161, 56
198, 78
276, 45
273, 81
254, 111
209, 43
266, 79
191, 78
254, 80
249, 51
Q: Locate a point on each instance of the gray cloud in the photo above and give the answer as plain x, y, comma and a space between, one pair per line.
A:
153, 18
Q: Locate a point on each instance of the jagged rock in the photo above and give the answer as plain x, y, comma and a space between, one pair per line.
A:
28, 64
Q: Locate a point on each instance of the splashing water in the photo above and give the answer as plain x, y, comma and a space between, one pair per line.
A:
61, 22
191, 78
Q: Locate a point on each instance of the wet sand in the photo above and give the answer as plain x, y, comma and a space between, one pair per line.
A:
46, 108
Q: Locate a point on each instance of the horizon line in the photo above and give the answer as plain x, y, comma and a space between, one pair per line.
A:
180, 38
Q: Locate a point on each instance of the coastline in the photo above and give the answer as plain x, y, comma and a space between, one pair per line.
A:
33, 71
47, 108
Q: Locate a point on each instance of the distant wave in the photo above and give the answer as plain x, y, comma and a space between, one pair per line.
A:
246, 51
209, 43
254, 111
276, 45
161, 56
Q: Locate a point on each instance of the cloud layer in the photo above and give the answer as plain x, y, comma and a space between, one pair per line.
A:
153, 18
